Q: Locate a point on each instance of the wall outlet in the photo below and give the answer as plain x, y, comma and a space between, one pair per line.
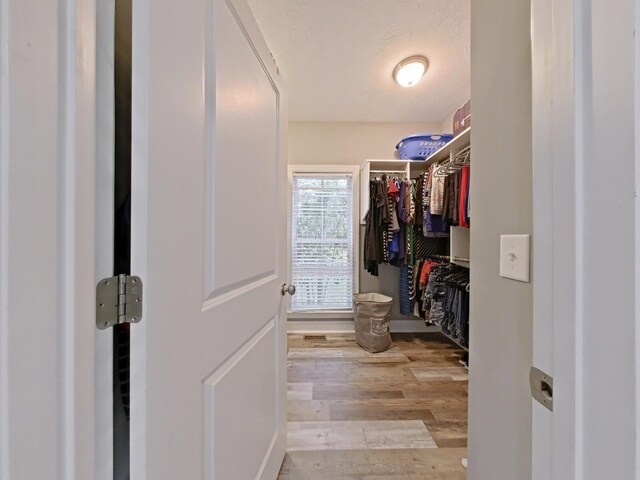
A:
515, 253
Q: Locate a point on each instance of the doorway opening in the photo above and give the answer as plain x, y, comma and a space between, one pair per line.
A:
411, 399
332, 123
122, 231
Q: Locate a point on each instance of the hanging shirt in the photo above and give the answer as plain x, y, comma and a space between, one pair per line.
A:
372, 245
436, 197
418, 214
411, 207
392, 198
424, 272
434, 225
393, 190
402, 202
462, 202
467, 204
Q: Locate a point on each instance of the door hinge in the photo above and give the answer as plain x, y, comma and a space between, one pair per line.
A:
118, 300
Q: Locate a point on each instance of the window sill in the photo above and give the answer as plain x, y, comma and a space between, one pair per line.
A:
321, 314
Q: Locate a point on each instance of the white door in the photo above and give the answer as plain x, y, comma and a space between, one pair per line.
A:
208, 366
56, 231
586, 237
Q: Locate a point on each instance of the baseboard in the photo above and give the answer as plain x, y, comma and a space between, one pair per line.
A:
411, 326
324, 326
346, 326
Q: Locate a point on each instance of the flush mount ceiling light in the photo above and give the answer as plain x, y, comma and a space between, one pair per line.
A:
409, 71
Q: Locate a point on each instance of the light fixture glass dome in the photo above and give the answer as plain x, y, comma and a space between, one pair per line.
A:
409, 71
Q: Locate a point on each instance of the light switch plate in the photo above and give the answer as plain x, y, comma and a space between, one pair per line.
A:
514, 257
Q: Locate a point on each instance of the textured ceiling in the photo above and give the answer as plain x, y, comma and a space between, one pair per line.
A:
337, 57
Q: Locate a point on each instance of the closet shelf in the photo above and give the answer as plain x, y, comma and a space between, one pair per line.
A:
458, 143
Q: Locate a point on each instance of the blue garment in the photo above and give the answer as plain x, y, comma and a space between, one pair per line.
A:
394, 245
434, 225
406, 274
402, 204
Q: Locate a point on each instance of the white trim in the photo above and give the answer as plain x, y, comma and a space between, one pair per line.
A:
412, 326
583, 128
637, 236
347, 326
63, 55
542, 239
557, 341
140, 52
322, 314
5, 450
354, 170
67, 171
103, 13
325, 326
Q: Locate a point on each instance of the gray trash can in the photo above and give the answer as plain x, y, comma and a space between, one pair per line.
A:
372, 316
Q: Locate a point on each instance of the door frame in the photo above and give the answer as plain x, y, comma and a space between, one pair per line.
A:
586, 116
55, 366
354, 171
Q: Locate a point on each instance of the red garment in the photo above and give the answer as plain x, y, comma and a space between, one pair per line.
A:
393, 190
462, 200
424, 273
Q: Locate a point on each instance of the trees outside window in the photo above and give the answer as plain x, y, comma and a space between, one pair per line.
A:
322, 242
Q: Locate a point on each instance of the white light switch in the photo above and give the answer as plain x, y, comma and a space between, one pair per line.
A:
514, 257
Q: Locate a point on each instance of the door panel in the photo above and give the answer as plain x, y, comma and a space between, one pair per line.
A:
245, 151
209, 138
237, 407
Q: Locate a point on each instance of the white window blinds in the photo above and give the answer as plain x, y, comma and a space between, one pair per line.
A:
322, 242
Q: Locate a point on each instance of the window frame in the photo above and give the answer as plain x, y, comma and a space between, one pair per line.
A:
354, 171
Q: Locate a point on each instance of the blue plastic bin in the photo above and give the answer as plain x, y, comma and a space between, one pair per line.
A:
421, 146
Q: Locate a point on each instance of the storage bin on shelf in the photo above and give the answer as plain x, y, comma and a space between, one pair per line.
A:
462, 118
421, 146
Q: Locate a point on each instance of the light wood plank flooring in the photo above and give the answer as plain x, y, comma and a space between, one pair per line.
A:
401, 414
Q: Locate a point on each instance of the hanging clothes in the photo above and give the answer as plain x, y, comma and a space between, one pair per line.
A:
418, 214
385, 223
376, 248
406, 273
436, 195
464, 196
446, 300
455, 207
434, 225
449, 210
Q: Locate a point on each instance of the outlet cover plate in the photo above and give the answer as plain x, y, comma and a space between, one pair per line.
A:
515, 252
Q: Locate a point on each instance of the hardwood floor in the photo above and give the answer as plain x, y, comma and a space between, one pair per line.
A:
400, 414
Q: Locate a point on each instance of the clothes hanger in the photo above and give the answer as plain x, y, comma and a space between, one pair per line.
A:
454, 164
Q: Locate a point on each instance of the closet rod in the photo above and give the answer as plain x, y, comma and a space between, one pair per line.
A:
439, 257
403, 172
461, 259
462, 152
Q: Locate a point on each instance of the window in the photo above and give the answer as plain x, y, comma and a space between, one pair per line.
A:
322, 241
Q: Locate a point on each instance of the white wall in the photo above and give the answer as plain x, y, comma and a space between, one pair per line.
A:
350, 144
501, 195
446, 126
